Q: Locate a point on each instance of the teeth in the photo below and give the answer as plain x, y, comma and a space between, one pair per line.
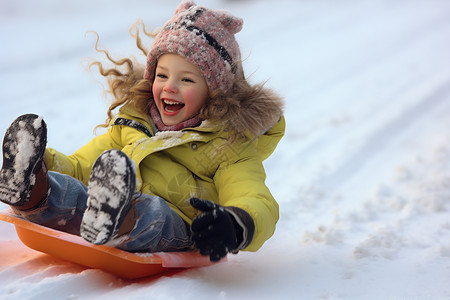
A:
171, 102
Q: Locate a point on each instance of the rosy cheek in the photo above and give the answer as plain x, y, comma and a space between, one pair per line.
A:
156, 88
189, 96
194, 98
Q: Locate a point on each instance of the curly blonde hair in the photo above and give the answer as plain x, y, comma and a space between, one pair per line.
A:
125, 79
244, 108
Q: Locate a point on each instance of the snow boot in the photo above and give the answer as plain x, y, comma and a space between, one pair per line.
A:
24, 183
110, 211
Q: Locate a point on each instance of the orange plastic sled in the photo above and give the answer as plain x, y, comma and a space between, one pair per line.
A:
121, 263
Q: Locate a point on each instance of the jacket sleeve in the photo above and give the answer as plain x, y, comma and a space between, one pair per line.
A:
242, 184
79, 164
267, 142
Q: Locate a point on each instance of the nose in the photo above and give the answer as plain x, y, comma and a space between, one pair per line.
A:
170, 87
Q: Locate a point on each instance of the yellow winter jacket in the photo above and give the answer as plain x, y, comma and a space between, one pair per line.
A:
194, 162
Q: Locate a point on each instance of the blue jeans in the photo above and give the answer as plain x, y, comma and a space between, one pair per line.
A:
158, 227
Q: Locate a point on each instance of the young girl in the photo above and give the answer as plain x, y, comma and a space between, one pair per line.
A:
180, 166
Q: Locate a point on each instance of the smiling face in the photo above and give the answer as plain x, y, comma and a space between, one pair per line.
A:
179, 89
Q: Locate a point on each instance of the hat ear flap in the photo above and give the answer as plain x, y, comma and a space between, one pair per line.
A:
230, 22
184, 5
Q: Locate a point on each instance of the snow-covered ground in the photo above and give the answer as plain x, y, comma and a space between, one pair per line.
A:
362, 176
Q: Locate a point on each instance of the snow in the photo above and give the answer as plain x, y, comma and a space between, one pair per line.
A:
362, 176
171, 138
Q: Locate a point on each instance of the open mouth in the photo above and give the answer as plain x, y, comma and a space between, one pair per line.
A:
172, 106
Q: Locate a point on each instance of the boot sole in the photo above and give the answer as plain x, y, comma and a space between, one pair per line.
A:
111, 187
23, 150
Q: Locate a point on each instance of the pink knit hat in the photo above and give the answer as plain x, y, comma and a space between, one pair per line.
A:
204, 37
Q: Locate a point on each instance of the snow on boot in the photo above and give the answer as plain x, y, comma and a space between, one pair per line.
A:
23, 164
111, 188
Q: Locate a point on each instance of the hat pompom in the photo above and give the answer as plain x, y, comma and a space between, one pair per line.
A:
184, 5
230, 22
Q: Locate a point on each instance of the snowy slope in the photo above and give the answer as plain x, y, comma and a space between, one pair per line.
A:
362, 175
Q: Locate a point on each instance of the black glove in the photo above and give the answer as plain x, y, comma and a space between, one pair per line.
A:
219, 230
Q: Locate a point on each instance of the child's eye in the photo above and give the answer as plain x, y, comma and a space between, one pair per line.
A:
188, 80
161, 75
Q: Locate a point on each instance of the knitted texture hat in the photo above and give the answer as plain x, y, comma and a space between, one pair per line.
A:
205, 38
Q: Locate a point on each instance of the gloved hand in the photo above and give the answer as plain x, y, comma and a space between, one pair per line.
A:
219, 230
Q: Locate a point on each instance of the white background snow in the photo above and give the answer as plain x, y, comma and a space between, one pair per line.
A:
362, 176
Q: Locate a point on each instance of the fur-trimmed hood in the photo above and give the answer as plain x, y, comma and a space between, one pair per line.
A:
250, 109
